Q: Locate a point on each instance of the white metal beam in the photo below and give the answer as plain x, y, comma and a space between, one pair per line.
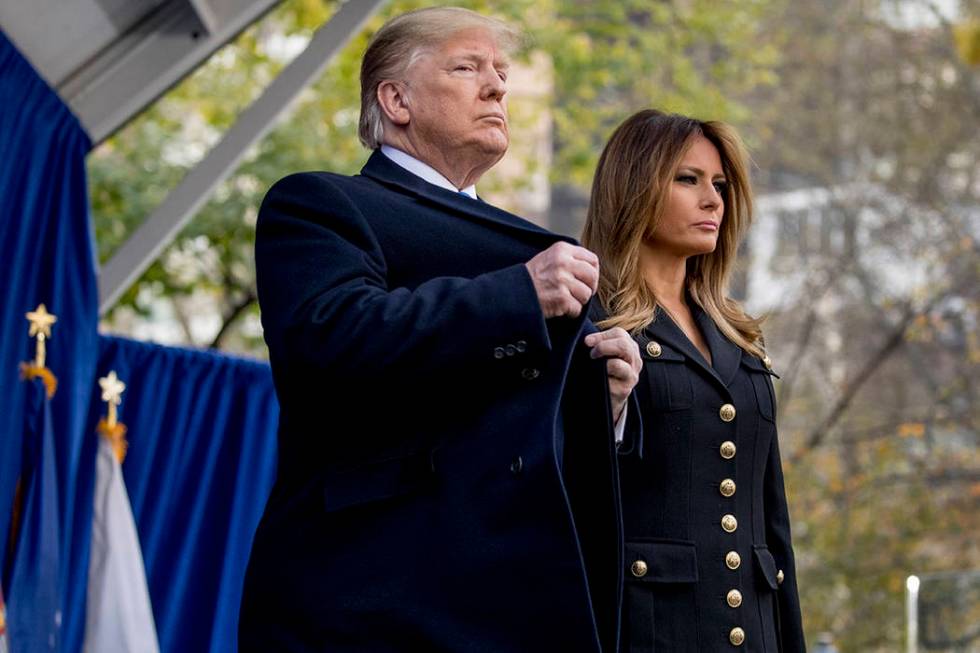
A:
169, 43
165, 222
206, 13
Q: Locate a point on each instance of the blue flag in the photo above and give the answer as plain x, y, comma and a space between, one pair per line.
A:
34, 595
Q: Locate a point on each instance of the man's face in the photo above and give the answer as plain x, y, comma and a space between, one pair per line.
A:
455, 95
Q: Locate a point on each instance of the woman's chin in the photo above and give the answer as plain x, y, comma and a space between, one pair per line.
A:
703, 246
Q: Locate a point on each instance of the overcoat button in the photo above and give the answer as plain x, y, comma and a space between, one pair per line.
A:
727, 413
521, 346
734, 598
727, 487
530, 373
737, 636
733, 560
729, 523
780, 577
727, 449
498, 352
517, 466
510, 350
654, 349
639, 568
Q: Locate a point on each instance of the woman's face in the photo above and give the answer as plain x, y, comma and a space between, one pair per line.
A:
695, 205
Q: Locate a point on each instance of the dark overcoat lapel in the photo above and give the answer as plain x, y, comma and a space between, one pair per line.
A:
387, 172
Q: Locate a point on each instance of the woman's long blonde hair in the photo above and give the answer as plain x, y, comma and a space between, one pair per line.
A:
629, 192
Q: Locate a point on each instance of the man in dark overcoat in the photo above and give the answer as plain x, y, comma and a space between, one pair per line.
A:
447, 472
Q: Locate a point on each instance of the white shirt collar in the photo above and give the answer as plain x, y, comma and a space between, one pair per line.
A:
424, 170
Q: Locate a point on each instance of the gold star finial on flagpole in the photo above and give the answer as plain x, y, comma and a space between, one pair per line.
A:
112, 389
41, 322
109, 426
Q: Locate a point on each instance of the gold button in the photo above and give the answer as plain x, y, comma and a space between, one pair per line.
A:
639, 569
727, 413
727, 449
767, 362
727, 487
737, 636
654, 349
734, 598
733, 560
780, 577
729, 523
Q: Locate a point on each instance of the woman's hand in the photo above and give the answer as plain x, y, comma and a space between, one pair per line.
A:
623, 364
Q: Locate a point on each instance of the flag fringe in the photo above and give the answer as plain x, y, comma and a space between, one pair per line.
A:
116, 435
30, 371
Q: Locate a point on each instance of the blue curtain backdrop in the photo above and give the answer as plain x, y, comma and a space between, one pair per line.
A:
201, 425
45, 256
202, 453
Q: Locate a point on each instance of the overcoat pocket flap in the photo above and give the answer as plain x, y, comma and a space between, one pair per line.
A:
663, 561
376, 480
766, 565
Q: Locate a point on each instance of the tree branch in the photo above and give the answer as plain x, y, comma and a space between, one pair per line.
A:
850, 390
229, 318
803, 342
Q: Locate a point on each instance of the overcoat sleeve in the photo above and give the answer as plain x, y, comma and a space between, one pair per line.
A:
779, 542
327, 303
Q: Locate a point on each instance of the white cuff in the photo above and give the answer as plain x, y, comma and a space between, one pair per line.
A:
620, 429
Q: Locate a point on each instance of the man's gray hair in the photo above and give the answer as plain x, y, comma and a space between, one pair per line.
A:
399, 44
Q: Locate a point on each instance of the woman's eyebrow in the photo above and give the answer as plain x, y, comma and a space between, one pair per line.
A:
698, 171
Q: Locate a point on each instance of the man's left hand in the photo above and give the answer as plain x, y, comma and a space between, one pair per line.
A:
623, 365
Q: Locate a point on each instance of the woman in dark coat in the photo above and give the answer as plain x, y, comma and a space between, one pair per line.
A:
709, 562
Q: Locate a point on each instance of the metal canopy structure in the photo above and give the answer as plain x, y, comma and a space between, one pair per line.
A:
109, 59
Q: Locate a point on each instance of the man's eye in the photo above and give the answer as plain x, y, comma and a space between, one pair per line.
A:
502, 76
465, 68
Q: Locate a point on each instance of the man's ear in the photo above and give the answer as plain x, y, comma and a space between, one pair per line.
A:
394, 104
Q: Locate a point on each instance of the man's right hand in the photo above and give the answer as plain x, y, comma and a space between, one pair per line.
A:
565, 276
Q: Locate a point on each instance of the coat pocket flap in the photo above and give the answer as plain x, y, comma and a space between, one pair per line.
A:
376, 480
661, 561
766, 565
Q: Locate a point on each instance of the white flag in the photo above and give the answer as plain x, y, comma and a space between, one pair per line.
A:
119, 618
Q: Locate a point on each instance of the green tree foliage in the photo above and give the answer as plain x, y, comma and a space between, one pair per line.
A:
614, 58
